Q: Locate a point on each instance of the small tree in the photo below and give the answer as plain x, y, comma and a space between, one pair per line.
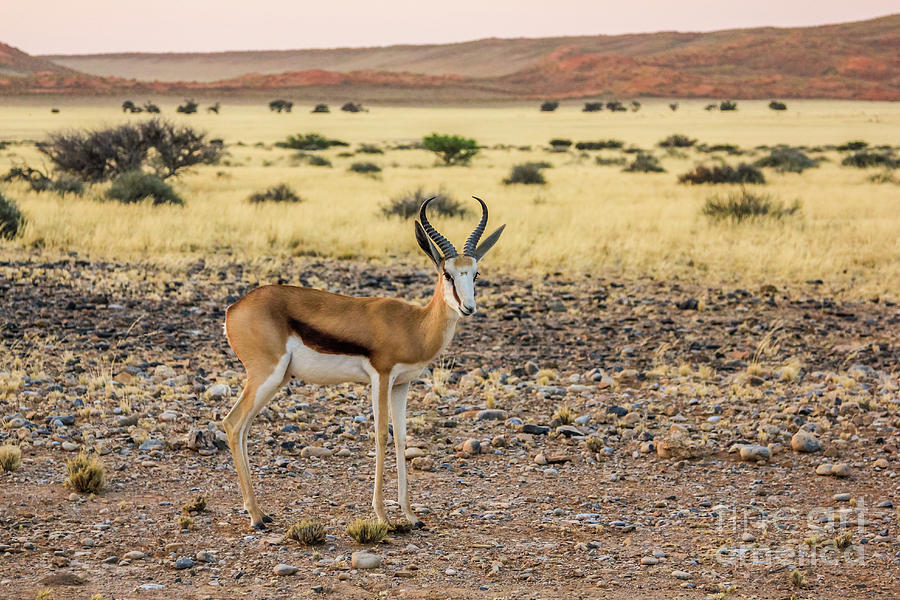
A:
135, 186
321, 108
592, 107
615, 106
214, 108
177, 148
727, 105
549, 106
12, 221
128, 106
673, 106
189, 107
775, 105
452, 149
352, 107
635, 106
151, 108
280, 106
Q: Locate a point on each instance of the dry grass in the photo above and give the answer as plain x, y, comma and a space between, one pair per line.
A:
565, 414
308, 533
198, 505
640, 224
86, 474
368, 531
10, 458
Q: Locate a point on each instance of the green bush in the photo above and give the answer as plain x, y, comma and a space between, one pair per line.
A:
189, 107
775, 105
606, 162
67, 185
312, 159
309, 141
549, 106
743, 173
743, 206
137, 186
365, 168
278, 193
677, 141
853, 146
527, 173
870, 158
787, 160
321, 108
370, 149
731, 149
600, 145
616, 106
592, 107
645, 163
561, 144
727, 105
407, 205
12, 221
452, 149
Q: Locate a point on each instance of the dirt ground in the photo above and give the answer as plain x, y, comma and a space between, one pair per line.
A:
644, 495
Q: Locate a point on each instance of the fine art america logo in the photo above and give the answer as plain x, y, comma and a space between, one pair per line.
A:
825, 536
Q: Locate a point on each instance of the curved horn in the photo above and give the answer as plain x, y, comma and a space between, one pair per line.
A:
443, 243
472, 242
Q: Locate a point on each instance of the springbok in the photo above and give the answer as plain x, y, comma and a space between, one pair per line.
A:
280, 331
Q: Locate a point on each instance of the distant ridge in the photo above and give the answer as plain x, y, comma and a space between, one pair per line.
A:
859, 60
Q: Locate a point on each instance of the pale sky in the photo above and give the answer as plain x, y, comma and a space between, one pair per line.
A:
91, 26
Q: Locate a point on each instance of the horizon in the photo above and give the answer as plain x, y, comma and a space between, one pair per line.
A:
53, 35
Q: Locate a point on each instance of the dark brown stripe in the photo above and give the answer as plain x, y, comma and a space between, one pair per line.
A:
455, 296
321, 341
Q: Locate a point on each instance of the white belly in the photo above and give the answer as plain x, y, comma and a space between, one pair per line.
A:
320, 368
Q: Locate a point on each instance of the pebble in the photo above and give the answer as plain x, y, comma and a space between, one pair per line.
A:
414, 453
619, 411
535, 429
135, 555
471, 446
204, 556
150, 587
129, 421
69, 446
184, 563
167, 416
422, 463
748, 537
491, 415
841, 470
218, 391
152, 445
885, 504
649, 560
365, 560
316, 451
344, 452
881, 463
283, 569
844, 497
804, 441
753, 452
681, 574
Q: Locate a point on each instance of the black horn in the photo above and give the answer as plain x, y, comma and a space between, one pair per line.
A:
472, 242
443, 243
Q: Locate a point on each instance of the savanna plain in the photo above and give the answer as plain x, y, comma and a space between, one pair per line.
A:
658, 397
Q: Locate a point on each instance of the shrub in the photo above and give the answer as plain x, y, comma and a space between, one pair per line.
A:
151, 108
198, 505
368, 531
727, 105
12, 221
137, 186
743, 205
711, 107
645, 163
527, 173
729, 148
10, 458
365, 168
549, 106
592, 107
452, 149
560, 144
278, 193
635, 106
100, 155
310, 141
129, 106
280, 106
600, 145
744, 173
787, 160
370, 149
407, 205
189, 107
321, 108
352, 107
313, 159
853, 146
870, 158
565, 415
308, 533
775, 105
615, 106
885, 176
673, 106
603, 161
86, 474
677, 141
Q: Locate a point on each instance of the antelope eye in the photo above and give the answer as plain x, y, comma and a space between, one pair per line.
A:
448, 277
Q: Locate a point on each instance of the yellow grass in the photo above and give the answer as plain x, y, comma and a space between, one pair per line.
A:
588, 218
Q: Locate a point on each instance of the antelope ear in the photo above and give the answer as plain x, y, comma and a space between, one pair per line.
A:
488, 243
427, 245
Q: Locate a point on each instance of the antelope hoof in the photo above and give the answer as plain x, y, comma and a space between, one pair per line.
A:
418, 524
260, 526
267, 519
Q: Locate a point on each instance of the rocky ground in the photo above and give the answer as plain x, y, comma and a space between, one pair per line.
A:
588, 438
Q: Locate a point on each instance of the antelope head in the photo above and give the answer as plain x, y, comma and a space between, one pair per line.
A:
459, 272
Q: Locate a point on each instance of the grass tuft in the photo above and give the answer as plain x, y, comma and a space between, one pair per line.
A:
368, 531
278, 193
565, 414
10, 458
198, 504
86, 474
745, 206
307, 532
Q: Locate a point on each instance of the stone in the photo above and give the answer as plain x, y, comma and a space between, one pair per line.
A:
127, 421
283, 569
316, 451
753, 452
167, 416
218, 391
619, 411
649, 560
824, 469
412, 453
841, 470
207, 557
422, 463
151, 444
540, 459
748, 537
365, 560
150, 587
804, 441
184, 563
881, 463
842, 497
681, 574
535, 429
491, 415
69, 446
135, 555
163, 372
471, 447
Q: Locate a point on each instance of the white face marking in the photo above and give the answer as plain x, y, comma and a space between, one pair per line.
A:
459, 276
